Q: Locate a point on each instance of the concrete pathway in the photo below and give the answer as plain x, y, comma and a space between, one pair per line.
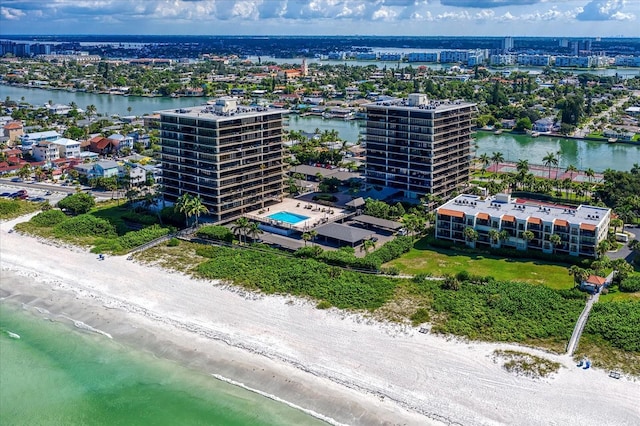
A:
582, 319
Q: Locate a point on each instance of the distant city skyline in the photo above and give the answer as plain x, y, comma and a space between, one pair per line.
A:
549, 18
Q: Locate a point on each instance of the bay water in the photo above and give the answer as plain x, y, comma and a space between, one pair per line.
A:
54, 374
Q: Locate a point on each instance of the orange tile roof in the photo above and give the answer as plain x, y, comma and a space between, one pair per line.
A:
596, 280
587, 227
13, 125
560, 222
483, 216
453, 213
508, 218
535, 220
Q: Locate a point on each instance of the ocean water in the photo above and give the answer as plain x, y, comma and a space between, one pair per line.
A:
54, 374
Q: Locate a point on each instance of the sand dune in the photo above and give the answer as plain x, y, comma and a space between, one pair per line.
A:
344, 366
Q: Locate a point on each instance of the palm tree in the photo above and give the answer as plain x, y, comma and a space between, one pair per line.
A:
497, 158
589, 173
368, 244
240, 227
24, 171
470, 234
196, 208
306, 237
550, 160
555, 240
522, 166
494, 235
579, 274
183, 205
571, 169
485, 160
528, 236
617, 222
602, 247
254, 230
313, 234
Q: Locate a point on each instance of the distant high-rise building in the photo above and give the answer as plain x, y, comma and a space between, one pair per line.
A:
419, 147
507, 44
304, 69
229, 155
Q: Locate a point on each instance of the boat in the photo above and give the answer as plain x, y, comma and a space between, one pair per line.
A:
535, 134
612, 140
498, 132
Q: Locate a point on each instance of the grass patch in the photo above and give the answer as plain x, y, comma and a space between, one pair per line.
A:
441, 262
182, 258
10, 209
525, 364
613, 294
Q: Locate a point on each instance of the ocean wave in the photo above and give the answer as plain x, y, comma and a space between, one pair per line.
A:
280, 400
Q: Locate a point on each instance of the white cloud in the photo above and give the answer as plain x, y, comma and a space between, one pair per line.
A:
604, 10
11, 14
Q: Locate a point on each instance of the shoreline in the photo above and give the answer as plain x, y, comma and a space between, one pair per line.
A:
345, 366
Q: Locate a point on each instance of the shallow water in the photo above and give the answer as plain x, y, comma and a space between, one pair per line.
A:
55, 374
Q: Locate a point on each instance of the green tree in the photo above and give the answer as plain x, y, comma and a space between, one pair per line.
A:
240, 228
550, 160
485, 160
254, 231
555, 240
183, 205
523, 124
196, 208
78, 203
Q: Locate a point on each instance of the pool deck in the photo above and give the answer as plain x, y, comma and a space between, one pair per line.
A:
317, 214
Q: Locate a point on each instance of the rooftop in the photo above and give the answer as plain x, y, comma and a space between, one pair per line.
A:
222, 109
503, 205
418, 101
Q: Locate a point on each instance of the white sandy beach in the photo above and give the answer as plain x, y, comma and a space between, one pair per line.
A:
348, 368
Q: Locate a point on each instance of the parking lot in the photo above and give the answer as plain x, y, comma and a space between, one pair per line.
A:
35, 194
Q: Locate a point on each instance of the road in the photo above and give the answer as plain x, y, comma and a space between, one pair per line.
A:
587, 127
32, 185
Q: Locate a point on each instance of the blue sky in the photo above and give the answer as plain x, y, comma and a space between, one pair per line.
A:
324, 17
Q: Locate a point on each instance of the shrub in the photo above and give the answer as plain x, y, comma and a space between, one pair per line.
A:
141, 218
216, 232
8, 207
48, 218
85, 225
617, 323
323, 305
78, 203
630, 284
173, 242
306, 252
391, 250
420, 316
171, 217
421, 278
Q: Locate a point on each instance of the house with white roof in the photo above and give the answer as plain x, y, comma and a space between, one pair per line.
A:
68, 148
29, 139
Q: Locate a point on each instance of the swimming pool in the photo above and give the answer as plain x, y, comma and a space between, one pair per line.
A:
287, 217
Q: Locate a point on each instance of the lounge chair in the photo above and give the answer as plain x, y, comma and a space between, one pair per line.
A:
580, 364
587, 365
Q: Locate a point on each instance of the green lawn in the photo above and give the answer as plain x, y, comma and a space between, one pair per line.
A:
615, 295
439, 262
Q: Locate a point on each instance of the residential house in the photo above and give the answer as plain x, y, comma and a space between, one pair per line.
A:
137, 175
29, 139
101, 145
106, 169
546, 124
45, 151
13, 130
121, 142
68, 148
593, 284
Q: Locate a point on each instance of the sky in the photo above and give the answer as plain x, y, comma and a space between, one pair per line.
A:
553, 18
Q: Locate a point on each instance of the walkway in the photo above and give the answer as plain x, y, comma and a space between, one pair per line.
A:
582, 319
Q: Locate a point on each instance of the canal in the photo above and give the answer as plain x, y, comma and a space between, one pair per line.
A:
582, 154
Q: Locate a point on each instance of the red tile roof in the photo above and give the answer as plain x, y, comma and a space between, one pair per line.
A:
596, 280
508, 218
535, 220
13, 125
453, 213
483, 216
587, 227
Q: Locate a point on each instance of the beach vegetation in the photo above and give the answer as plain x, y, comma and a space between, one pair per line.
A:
630, 284
420, 316
78, 203
216, 233
84, 225
49, 218
173, 242
616, 323
525, 364
132, 239
271, 272
323, 304
10, 209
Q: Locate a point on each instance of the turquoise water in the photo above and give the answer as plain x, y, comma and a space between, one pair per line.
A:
57, 375
287, 217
